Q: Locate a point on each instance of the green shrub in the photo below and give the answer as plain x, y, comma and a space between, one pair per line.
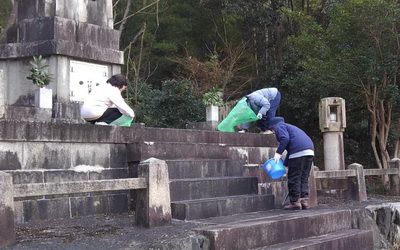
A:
214, 97
175, 105
38, 74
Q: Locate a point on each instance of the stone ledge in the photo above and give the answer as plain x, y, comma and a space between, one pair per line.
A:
61, 47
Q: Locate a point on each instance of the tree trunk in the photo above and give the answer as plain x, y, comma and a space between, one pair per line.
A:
380, 125
279, 45
126, 13
396, 153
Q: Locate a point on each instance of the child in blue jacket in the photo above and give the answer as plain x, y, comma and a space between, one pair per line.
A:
299, 158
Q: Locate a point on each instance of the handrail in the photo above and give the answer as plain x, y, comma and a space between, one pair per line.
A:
73, 187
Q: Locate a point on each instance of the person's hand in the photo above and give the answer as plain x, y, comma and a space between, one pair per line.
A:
277, 157
259, 116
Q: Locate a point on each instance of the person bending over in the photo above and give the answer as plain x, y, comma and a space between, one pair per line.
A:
264, 103
105, 103
300, 154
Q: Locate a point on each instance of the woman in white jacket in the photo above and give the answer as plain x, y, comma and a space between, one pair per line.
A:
105, 103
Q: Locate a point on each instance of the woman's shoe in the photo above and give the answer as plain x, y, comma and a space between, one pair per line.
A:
101, 123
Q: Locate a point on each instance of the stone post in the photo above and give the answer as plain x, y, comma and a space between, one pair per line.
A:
395, 178
7, 226
2, 93
153, 206
357, 188
312, 189
212, 113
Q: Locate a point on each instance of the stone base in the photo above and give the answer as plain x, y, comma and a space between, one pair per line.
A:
29, 114
210, 125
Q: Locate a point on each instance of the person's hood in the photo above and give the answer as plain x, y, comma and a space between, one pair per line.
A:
275, 121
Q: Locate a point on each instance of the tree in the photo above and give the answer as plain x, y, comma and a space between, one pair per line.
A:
357, 54
224, 69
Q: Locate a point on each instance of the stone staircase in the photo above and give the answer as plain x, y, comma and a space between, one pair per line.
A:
206, 172
208, 186
220, 189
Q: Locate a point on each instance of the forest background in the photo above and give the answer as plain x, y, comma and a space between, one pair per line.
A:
178, 50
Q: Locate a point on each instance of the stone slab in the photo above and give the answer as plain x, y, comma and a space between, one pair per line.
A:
189, 189
201, 168
221, 206
344, 239
272, 229
61, 47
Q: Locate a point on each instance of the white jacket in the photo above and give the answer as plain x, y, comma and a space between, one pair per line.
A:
103, 97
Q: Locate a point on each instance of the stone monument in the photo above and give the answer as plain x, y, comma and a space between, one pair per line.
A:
77, 41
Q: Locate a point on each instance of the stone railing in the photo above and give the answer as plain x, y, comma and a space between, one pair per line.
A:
152, 187
355, 175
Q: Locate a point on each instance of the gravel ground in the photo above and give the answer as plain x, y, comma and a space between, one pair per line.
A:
119, 231
100, 232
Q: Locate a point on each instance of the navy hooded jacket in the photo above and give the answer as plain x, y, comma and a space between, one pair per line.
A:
290, 138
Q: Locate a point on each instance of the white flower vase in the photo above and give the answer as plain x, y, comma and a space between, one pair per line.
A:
44, 98
212, 113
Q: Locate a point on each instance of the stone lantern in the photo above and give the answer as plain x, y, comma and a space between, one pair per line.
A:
332, 122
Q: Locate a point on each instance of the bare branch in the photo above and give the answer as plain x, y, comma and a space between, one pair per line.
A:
135, 38
124, 18
142, 9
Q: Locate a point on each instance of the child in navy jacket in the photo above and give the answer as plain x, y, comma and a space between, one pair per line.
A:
299, 158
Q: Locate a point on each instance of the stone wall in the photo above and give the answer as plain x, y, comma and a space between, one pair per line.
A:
46, 152
40, 152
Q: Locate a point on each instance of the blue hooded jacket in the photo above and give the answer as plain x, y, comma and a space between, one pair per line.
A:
290, 138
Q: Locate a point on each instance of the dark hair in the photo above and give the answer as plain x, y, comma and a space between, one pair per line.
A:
118, 81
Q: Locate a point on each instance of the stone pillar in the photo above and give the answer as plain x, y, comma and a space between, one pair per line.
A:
312, 188
395, 178
7, 226
332, 122
212, 113
333, 150
357, 188
2, 93
153, 206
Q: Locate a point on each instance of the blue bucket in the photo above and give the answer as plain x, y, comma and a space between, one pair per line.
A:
274, 170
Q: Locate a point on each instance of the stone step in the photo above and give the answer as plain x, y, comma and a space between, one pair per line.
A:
176, 150
344, 239
201, 188
182, 169
261, 229
17, 130
221, 206
187, 150
204, 136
